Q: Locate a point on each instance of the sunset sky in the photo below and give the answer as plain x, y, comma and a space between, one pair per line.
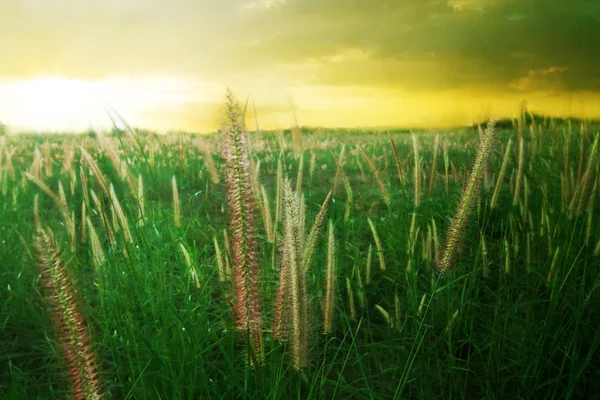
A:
342, 63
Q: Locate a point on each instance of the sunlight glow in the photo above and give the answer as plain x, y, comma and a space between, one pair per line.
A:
59, 104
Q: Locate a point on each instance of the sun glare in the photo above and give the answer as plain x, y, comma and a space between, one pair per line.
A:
60, 104
54, 104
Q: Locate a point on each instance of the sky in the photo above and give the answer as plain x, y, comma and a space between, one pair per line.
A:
165, 65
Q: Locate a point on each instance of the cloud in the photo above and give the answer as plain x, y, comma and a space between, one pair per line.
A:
546, 80
429, 44
413, 44
262, 4
332, 55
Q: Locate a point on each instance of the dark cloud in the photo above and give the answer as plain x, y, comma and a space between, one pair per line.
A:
425, 45
417, 45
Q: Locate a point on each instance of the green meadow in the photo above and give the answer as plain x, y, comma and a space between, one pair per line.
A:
302, 264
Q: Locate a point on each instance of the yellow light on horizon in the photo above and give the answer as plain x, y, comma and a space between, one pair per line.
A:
63, 104
49, 104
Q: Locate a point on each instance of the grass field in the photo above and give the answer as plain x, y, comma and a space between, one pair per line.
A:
117, 254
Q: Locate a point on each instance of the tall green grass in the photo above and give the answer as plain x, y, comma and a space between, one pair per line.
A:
153, 276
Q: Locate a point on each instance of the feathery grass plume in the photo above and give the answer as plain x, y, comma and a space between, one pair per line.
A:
299, 176
351, 307
361, 288
313, 235
572, 180
446, 164
398, 161
421, 304
97, 251
72, 180
107, 226
278, 202
151, 160
258, 198
330, 279
190, 265
266, 210
96, 171
301, 217
454, 171
210, 166
44, 188
433, 164
377, 245
294, 292
255, 178
220, 264
340, 161
83, 217
141, 202
383, 189
282, 146
361, 169
501, 175
122, 219
84, 186
369, 264
519, 172
36, 165
61, 201
484, 257
126, 175
412, 240
583, 189
176, 204
116, 161
459, 222
344, 177
417, 171
282, 303
384, 314
297, 143
69, 219
436, 241
275, 224
67, 161
74, 340
115, 218
451, 322
552, 270
397, 318
242, 216
36, 212
564, 188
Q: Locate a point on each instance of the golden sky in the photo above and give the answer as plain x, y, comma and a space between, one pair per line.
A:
166, 64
